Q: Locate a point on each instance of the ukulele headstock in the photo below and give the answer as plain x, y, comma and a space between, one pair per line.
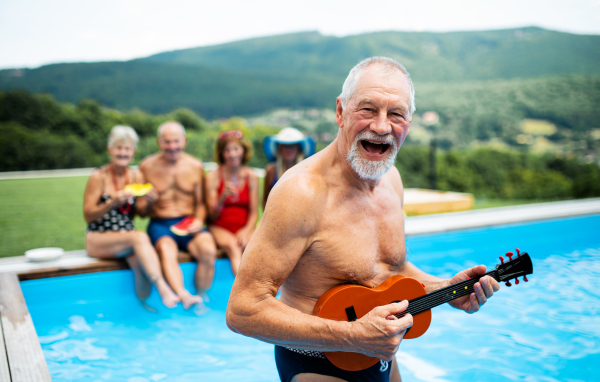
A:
513, 268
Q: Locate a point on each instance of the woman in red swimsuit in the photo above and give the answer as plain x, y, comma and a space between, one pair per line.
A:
232, 196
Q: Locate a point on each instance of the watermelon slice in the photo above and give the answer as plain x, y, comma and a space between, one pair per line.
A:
138, 189
181, 228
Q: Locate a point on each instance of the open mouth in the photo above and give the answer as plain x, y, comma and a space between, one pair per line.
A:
376, 148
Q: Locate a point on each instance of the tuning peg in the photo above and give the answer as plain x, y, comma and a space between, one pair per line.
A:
516, 281
518, 252
525, 278
510, 255
501, 259
508, 284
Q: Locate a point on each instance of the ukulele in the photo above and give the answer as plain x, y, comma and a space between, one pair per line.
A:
349, 302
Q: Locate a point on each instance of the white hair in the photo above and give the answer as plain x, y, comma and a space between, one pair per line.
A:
388, 65
122, 134
372, 170
160, 129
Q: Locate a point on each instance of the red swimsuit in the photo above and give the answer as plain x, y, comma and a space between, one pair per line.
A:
234, 214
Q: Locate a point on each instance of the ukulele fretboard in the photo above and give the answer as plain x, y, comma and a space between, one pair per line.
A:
444, 295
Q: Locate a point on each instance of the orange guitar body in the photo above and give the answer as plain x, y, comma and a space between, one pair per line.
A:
360, 300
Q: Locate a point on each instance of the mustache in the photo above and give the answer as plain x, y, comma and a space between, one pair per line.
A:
367, 134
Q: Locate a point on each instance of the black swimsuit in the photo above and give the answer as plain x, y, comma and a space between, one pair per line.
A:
291, 362
117, 219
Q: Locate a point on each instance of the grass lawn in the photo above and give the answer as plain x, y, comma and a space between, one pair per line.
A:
47, 212
43, 212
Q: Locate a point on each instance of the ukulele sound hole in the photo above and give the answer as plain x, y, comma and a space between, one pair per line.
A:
351, 313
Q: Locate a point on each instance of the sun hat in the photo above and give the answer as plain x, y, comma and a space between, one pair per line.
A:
288, 136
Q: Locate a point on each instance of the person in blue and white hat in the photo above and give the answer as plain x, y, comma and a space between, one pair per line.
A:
284, 150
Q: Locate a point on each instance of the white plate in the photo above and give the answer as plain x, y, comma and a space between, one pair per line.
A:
44, 254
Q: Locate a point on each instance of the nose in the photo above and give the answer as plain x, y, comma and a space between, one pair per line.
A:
380, 124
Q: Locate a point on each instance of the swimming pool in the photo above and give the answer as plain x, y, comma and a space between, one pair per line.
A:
92, 328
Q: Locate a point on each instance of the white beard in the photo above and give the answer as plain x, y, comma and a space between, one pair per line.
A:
372, 170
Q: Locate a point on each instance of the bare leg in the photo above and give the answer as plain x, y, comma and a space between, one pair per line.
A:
112, 244
395, 372
142, 283
228, 243
203, 249
168, 251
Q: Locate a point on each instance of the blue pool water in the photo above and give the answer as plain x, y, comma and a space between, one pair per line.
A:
92, 328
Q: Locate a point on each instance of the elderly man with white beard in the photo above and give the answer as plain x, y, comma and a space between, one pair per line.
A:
336, 218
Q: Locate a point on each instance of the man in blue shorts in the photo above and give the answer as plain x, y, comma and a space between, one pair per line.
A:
178, 180
336, 218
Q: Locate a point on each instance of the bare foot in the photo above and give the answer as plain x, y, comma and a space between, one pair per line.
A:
168, 297
189, 299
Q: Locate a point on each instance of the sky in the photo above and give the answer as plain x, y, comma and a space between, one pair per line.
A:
40, 32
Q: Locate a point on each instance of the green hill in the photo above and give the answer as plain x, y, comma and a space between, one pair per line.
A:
429, 57
305, 70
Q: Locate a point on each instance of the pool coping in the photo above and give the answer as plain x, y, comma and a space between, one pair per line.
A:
451, 221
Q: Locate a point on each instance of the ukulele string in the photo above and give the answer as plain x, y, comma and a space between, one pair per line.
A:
439, 297
426, 302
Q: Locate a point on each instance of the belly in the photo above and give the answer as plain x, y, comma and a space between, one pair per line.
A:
173, 204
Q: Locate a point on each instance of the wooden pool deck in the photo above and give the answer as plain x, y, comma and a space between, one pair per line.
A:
22, 359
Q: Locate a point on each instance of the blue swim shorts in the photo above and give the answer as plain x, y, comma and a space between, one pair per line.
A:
158, 228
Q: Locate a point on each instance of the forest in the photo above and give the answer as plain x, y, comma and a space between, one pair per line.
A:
37, 132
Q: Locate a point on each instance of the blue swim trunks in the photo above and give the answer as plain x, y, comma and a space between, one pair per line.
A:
158, 228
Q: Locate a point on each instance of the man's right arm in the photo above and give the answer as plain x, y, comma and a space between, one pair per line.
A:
284, 234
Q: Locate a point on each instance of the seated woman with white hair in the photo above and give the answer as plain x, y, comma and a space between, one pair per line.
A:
285, 149
109, 211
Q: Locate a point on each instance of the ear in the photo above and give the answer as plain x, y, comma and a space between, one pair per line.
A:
339, 111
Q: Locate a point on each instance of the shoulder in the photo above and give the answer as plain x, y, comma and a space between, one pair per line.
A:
270, 168
193, 161
213, 175
251, 173
96, 175
298, 194
147, 162
95, 179
393, 181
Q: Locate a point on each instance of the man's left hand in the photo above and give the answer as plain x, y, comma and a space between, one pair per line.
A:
484, 289
195, 227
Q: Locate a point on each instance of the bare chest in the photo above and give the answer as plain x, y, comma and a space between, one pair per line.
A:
167, 179
361, 243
